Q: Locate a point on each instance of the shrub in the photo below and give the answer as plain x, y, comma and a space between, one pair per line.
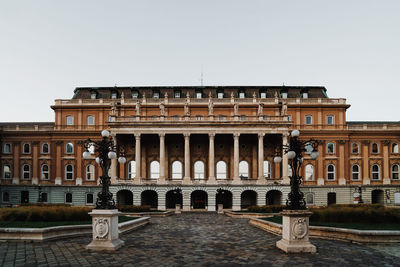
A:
266, 208
44, 213
129, 208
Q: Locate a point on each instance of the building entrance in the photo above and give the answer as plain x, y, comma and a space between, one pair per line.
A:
224, 197
24, 196
199, 199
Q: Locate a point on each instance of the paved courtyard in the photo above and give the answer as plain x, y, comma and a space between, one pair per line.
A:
195, 239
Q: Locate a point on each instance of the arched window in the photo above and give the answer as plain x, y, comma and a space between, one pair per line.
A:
243, 169
90, 120
395, 171
330, 148
26, 171
308, 119
131, 169
44, 172
70, 120
221, 170
354, 148
395, 148
176, 170
6, 197
310, 198
69, 148
355, 172
6, 171
90, 172
309, 171
7, 148
154, 170
375, 148
69, 172
26, 148
330, 171
68, 197
289, 168
45, 148
199, 170
267, 169
375, 171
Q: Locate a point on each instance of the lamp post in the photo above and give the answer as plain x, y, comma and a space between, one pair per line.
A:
221, 193
177, 195
295, 219
105, 215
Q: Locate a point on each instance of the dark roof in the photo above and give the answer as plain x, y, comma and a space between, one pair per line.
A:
26, 123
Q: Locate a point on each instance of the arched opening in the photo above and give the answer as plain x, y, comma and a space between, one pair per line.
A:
154, 170
248, 198
149, 198
309, 172
199, 170
224, 197
172, 198
24, 196
274, 197
124, 197
199, 199
244, 169
377, 196
176, 170
221, 170
331, 198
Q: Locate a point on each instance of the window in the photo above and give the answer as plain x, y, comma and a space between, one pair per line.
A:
176, 170
355, 172
331, 172
308, 119
43, 197
376, 174
198, 94
156, 94
243, 117
395, 171
375, 148
199, 170
221, 117
267, 169
90, 120
6, 171
45, 148
329, 120
26, 148
220, 94
263, 94
131, 169
93, 95
310, 198
135, 94
44, 172
90, 172
242, 94
114, 95
304, 95
395, 148
154, 170
243, 169
221, 170
109, 118
330, 148
355, 148
89, 198
69, 148
7, 148
290, 173
68, 197
26, 171
199, 118
70, 120
177, 94
284, 95
6, 197
289, 117
69, 172
309, 171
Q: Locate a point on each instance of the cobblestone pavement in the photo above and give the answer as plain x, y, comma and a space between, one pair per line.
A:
195, 239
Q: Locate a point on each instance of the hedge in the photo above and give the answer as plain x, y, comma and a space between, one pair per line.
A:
266, 208
130, 208
44, 213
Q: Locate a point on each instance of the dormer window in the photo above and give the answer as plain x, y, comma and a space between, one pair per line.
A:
263, 94
304, 95
198, 94
177, 94
114, 95
220, 94
135, 94
284, 95
93, 95
242, 94
156, 94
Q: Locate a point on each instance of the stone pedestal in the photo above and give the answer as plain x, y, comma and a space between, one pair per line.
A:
220, 208
295, 232
105, 230
178, 209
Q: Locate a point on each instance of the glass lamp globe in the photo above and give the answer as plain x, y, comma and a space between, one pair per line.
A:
314, 154
112, 155
278, 159
86, 155
105, 133
122, 160
295, 133
291, 154
98, 160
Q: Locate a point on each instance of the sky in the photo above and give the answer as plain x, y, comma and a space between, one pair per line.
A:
48, 48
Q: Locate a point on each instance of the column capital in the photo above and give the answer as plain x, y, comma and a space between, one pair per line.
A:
186, 135
366, 142
342, 142
161, 134
211, 135
386, 142
137, 135
57, 143
35, 143
261, 135
236, 135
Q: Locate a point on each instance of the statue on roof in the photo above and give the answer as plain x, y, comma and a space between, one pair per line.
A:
210, 106
276, 94
137, 108
187, 110
162, 109
114, 108
235, 109
260, 109
284, 108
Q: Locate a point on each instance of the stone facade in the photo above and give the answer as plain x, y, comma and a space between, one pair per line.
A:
200, 139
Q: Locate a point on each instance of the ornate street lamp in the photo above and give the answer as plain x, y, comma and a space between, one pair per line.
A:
294, 152
295, 219
106, 151
177, 192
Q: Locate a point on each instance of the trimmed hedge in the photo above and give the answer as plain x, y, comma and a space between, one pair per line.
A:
266, 208
43, 213
130, 208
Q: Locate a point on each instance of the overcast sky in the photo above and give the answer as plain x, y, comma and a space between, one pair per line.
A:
47, 48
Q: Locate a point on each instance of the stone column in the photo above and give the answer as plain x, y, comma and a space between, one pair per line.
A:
320, 161
211, 201
187, 158
236, 157
342, 179
260, 156
114, 163
161, 201
236, 201
137, 157
211, 158
16, 151
79, 161
365, 157
35, 163
386, 167
162, 157
285, 162
186, 200
59, 167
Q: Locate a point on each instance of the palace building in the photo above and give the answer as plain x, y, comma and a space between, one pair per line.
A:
215, 143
